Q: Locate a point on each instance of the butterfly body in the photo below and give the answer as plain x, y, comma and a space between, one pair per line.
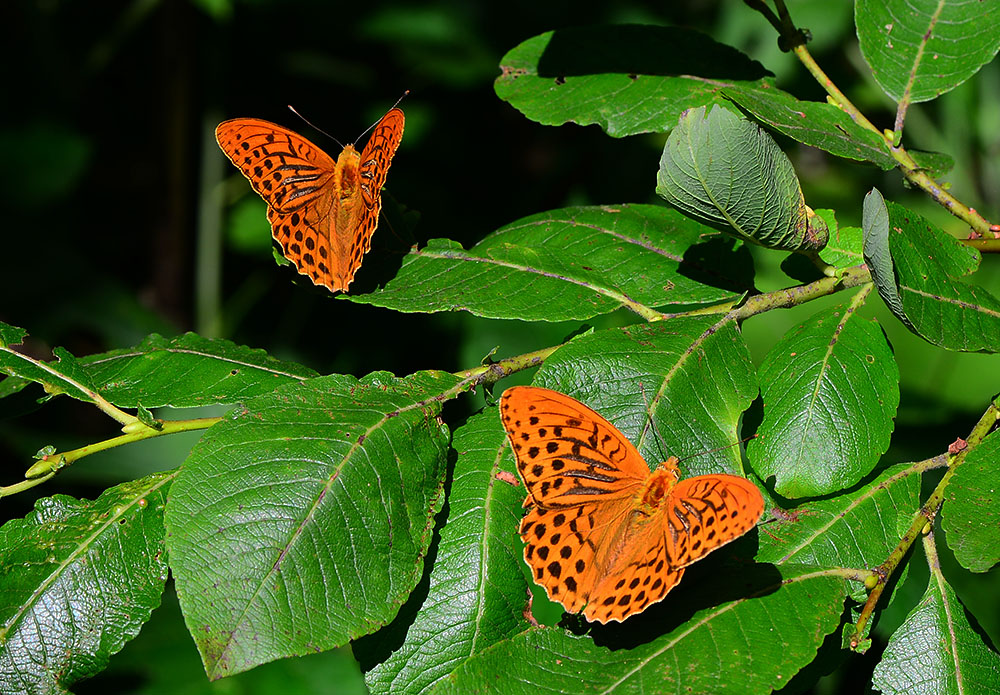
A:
604, 535
322, 211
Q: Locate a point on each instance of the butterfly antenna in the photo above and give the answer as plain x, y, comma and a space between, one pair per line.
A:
292, 109
380, 120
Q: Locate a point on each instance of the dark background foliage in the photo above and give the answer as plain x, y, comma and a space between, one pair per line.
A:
122, 217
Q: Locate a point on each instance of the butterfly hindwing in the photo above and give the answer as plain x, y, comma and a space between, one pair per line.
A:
645, 579
566, 453
708, 511
559, 547
301, 236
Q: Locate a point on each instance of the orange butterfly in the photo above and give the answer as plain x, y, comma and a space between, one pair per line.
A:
603, 534
322, 212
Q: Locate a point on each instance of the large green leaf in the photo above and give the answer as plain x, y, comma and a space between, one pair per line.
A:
918, 271
830, 388
620, 77
477, 589
573, 263
727, 172
971, 512
302, 522
918, 49
815, 123
936, 650
188, 371
674, 387
746, 646
79, 579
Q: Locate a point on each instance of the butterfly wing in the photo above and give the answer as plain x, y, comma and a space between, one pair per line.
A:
375, 161
285, 169
566, 453
703, 513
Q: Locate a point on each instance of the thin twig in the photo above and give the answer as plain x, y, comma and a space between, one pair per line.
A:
50, 464
922, 520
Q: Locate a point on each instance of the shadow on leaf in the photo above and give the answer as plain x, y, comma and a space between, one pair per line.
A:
640, 50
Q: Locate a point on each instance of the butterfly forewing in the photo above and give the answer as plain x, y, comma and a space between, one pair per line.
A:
706, 512
566, 453
285, 169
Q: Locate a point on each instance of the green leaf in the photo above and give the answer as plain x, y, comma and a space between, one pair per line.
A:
918, 49
64, 375
80, 578
574, 263
830, 389
747, 646
857, 529
302, 522
971, 513
675, 387
477, 589
620, 77
727, 172
917, 269
188, 371
814, 123
936, 650
875, 242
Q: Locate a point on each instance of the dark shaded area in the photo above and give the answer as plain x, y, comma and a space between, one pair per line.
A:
725, 575
717, 263
643, 50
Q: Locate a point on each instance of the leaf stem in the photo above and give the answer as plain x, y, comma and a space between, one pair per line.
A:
983, 245
793, 296
922, 521
49, 465
918, 177
493, 372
